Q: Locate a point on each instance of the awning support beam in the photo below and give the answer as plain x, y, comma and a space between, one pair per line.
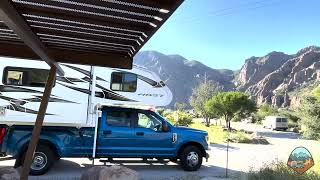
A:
38, 124
15, 22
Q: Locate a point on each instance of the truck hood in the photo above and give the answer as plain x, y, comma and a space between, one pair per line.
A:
183, 128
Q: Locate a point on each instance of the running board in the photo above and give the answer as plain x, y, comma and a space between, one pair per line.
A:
143, 160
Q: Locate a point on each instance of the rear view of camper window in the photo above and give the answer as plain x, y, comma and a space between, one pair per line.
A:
126, 82
25, 76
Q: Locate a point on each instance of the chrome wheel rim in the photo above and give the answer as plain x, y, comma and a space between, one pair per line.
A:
193, 159
40, 160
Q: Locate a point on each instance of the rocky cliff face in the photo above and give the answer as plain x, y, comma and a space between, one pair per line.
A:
279, 74
182, 75
255, 68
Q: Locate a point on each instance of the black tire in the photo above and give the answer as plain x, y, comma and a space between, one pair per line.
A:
191, 158
43, 160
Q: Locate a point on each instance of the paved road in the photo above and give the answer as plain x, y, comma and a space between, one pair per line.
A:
242, 157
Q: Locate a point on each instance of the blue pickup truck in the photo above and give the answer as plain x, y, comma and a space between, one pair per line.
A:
122, 133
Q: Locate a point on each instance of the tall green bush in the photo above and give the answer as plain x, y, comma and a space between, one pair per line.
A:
180, 118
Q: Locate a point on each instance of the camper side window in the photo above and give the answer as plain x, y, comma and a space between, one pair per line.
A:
126, 82
25, 76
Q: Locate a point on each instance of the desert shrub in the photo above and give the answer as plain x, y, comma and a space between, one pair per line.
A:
280, 171
184, 118
161, 111
180, 118
237, 137
169, 115
166, 112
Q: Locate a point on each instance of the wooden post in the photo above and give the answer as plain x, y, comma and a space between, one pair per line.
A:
38, 124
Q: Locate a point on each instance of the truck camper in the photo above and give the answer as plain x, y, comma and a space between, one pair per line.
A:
75, 94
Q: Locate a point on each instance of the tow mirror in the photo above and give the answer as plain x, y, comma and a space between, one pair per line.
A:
165, 126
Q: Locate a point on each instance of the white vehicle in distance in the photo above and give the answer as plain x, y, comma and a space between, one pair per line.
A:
275, 123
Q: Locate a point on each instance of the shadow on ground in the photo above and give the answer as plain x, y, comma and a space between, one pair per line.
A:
224, 147
279, 134
65, 169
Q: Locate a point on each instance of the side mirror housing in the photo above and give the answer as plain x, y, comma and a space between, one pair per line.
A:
165, 126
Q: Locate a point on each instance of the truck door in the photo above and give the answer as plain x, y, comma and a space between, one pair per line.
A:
115, 134
149, 139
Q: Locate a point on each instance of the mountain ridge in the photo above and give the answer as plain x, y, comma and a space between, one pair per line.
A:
268, 79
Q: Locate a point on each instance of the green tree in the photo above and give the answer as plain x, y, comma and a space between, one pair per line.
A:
265, 110
180, 106
310, 118
228, 105
200, 95
316, 93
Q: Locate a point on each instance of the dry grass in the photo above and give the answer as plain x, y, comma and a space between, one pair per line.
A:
280, 171
218, 135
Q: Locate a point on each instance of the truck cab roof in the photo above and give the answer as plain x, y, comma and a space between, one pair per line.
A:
126, 106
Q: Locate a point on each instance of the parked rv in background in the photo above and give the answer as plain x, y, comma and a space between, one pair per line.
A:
275, 122
76, 94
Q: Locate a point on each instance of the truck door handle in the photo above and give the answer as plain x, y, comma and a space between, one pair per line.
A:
139, 133
107, 132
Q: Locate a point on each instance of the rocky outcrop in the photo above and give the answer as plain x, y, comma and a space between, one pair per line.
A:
110, 173
255, 69
296, 71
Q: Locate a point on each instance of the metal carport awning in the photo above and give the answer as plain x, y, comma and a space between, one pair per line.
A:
92, 32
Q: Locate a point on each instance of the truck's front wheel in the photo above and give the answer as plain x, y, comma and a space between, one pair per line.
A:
191, 158
43, 159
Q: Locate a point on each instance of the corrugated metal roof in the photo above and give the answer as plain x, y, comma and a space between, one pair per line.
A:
96, 32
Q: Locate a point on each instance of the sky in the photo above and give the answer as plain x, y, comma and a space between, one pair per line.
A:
223, 33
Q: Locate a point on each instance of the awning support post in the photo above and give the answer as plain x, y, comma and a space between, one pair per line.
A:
38, 124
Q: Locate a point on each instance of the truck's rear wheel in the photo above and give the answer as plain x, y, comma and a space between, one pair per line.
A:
191, 158
42, 161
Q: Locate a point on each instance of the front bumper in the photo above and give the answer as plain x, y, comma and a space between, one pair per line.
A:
207, 155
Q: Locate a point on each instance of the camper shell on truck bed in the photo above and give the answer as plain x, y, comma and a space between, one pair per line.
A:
76, 94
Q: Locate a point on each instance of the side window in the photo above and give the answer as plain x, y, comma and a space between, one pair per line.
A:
126, 82
278, 119
149, 121
25, 76
119, 119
